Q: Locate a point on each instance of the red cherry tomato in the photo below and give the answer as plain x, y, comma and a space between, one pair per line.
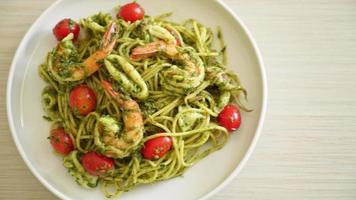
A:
64, 27
97, 164
230, 117
131, 12
157, 147
60, 141
82, 99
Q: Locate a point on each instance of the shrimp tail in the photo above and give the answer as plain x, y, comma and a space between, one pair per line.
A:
109, 38
142, 52
110, 90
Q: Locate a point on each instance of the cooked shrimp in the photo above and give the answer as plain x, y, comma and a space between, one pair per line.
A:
177, 79
150, 49
64, 60
107, 136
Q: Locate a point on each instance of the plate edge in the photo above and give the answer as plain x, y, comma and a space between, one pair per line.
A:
261, 120
9, 105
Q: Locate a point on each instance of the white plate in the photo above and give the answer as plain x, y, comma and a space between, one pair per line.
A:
29, 130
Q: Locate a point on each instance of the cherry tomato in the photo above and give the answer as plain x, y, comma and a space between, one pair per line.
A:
157, 147
82, 99
131, 12
230, 117
64, 27
97, 164
60, 141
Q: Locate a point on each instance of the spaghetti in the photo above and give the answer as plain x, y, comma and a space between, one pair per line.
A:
180, 93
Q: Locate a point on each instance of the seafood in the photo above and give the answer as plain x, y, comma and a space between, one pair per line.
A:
188, 118
229, 86
97, 23
108, 137
221, 78
136, 86
177, 78
64, 63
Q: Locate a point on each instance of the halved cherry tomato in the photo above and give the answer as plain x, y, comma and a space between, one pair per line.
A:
230, 117
64, 27
131, 12
82, 99
97, 164
157, 147
61, 141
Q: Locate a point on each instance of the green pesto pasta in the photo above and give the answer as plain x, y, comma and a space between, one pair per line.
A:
180, 88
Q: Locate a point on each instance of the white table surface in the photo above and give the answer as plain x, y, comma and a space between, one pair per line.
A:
308, 144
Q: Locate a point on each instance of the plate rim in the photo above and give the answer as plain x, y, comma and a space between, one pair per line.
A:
220, 186
261, 119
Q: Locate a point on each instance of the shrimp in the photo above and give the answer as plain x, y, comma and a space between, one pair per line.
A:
64, 61
150, 49
177, 79
222, 78
107, 137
